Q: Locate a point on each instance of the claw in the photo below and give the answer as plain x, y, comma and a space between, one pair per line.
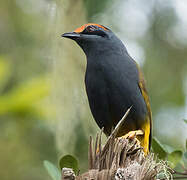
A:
132, 134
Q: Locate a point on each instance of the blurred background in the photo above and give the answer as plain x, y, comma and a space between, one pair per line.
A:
44, 110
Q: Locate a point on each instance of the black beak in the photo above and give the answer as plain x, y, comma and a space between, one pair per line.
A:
71, 35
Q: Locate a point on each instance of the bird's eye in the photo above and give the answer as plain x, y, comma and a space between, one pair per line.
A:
91, 28
94, 30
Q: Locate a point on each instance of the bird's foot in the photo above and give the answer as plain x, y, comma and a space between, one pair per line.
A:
132, 134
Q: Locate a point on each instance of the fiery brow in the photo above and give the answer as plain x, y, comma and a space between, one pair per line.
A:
82, 28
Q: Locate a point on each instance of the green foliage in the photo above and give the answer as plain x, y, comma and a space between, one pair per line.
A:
4, 72
52, 170
22, 98
158, 148
69, 162
174, 158
166, 152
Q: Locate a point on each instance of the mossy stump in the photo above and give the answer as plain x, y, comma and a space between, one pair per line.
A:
119, 159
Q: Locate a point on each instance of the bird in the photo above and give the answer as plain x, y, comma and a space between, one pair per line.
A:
114, 83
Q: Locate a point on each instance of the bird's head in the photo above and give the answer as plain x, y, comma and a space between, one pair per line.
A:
92, 37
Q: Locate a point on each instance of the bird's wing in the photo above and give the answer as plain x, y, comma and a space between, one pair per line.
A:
146, 99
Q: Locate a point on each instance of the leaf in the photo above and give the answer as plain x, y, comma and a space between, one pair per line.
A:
69, 161
168, 149
52, 170
185, 120
175, 157
159, 149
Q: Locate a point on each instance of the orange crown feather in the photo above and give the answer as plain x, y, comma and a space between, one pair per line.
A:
82, 28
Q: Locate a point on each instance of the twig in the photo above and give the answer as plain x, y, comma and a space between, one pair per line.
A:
115, 131
120, 123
